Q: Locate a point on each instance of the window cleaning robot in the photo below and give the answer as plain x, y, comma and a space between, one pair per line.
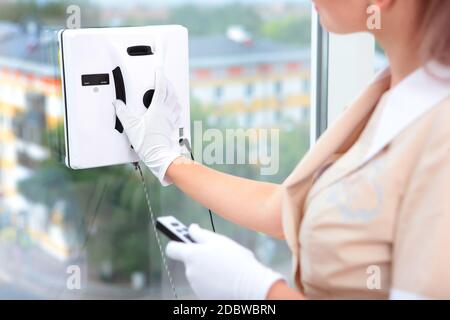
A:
99, 65
103, 64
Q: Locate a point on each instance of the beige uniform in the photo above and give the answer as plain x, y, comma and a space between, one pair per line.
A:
366, 213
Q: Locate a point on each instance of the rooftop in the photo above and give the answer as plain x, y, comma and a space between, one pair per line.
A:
220, 50
36, 50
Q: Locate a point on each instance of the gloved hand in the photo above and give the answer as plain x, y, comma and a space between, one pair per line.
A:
154, 135
219, 268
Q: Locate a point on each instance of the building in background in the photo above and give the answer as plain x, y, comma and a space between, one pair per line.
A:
238, 80
30, 104
254, 82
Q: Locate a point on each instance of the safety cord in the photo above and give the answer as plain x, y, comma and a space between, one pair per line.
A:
153, 221
185, 142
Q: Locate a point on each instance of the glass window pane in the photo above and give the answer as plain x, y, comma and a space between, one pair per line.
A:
250, 81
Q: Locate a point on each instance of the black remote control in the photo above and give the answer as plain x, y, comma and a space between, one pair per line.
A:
173, 229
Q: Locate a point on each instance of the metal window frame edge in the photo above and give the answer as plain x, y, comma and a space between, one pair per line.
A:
319, 78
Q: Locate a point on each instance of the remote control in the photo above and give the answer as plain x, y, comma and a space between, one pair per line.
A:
173, 229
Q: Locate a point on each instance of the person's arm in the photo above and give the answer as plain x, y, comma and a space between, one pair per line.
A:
252, 204
281, 291
255, 205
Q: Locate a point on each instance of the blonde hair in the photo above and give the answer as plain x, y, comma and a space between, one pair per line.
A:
435, 27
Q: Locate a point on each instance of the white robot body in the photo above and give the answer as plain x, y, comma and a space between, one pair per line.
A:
100, 65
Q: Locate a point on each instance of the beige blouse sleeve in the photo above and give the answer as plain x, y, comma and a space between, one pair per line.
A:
421, 249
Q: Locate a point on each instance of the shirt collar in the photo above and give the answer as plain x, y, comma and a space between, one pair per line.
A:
408, 101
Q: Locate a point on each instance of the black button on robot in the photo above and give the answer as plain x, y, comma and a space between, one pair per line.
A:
148, 97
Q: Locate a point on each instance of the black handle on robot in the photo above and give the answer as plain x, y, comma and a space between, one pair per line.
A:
120, 94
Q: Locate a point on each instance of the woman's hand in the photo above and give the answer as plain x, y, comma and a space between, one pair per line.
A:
219, 268
154, 135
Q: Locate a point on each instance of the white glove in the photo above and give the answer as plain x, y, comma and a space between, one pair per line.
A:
154, 134
219, 268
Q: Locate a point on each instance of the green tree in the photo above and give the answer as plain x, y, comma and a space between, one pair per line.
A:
51, 12
108, 200
294, 29
203, 20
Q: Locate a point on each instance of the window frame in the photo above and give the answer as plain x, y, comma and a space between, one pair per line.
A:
341, 66
319, 78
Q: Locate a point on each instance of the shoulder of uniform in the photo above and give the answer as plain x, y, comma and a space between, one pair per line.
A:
436, 130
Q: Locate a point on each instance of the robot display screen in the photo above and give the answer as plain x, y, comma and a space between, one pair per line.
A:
95, 79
